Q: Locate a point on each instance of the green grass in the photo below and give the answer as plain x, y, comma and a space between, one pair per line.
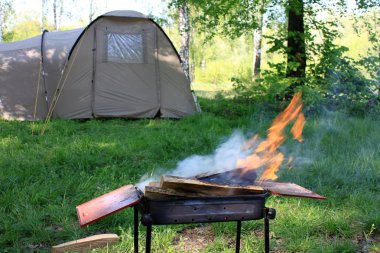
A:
43, 178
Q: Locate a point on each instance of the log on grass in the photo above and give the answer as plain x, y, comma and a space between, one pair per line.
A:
194, 186
86, 244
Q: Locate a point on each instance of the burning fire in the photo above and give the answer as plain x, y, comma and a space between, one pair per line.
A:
266, 153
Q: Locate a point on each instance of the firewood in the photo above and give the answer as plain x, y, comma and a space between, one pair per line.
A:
107, 204
158, 193
86, 244
288, 189
239, 176
154, 184
206, 189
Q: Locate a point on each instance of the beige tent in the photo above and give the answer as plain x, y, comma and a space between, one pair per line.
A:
121, 65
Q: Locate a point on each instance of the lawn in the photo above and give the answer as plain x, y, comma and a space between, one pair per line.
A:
44, 177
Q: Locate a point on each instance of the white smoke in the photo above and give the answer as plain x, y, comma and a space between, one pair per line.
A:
223, 159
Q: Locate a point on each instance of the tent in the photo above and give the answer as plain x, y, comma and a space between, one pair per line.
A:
121, 65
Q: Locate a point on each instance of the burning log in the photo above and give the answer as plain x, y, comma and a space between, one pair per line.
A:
240, 177
222, 184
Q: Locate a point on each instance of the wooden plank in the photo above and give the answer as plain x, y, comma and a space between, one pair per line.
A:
107, 204
205, 188
86, 244
289, 189
239, 176
152, 192
154, 184
158, 193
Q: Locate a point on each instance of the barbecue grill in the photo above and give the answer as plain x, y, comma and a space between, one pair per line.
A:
167, 207
203, 210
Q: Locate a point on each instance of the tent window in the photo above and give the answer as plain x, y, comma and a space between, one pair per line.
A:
125, 48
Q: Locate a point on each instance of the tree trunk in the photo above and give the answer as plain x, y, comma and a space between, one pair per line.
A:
57, 11
55, 15
60, 13
184, 30
257, 39
296, 52
1, 21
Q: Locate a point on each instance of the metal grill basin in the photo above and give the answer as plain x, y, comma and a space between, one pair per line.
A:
203, 209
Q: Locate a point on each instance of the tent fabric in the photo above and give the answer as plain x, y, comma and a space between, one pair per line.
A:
120, 65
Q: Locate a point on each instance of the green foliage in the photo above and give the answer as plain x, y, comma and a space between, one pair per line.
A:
26, 29
8, 13
341, 82
334, 81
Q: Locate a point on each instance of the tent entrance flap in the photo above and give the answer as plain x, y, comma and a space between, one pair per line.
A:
125, 78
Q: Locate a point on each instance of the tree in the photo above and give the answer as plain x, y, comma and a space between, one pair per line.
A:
184, 30
237, 17
257, 40
57, 13
6, 12
233, 19
296, 49
181, 13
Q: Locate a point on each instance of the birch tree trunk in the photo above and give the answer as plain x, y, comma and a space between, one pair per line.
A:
257, 41
1, 21
55, 15
184, 30
57, 12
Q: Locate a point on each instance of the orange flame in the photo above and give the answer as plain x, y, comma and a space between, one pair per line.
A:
266, 153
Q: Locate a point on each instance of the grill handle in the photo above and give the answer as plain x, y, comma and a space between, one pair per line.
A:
270, 213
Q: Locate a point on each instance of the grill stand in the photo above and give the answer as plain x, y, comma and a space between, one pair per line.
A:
269, 214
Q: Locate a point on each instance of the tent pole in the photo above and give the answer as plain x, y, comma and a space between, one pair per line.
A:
157, 69
43, 69
94, 49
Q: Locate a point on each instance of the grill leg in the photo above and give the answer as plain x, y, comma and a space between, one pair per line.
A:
238, 233
270, 214
148, 238
266, 234
136, 229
